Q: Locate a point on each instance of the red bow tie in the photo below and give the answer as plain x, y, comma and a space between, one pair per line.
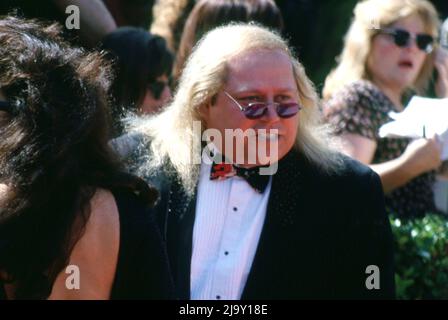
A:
224, 171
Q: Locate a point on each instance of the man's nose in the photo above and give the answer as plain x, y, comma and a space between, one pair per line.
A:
271, 114
412, 45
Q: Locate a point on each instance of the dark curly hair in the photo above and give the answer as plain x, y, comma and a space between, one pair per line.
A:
54, 151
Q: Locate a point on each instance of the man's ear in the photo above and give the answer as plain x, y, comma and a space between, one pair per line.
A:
213, 100
205, 107
203, 111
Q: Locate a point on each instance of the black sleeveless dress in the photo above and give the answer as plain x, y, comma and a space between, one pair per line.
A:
142, 269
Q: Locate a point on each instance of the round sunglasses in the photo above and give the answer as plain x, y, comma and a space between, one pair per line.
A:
402, 38
256, 110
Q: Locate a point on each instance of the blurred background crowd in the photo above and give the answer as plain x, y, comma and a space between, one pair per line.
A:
350, 63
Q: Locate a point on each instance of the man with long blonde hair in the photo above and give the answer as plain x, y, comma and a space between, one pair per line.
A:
297, 220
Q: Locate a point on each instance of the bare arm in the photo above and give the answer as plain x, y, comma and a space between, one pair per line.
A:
95, 19
421, 156
95, 254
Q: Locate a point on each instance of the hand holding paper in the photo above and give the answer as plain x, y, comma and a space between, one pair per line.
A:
422, 118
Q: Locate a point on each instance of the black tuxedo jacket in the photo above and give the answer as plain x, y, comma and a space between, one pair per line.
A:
320, 234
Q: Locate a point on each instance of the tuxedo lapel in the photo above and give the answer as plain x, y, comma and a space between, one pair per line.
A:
286, 222
280, 263
302, 251
286, 207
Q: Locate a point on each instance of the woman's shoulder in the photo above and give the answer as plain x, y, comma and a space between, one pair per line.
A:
120, 244
103, 207
95, 253
362, 85
362, 95
357, 90
103, 224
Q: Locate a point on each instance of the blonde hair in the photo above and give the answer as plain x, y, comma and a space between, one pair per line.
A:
369, 15
169, 19
171, 136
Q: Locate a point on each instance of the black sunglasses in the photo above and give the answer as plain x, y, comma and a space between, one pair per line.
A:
425, 42
256, 110
5, 106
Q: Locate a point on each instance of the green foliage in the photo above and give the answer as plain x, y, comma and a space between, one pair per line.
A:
421, 259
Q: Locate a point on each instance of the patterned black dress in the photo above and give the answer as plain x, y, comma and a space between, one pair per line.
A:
362, 108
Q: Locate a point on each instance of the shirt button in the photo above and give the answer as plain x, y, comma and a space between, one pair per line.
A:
226, 252
235, 209
218, 297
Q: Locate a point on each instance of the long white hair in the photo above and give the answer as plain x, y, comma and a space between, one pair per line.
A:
172, 137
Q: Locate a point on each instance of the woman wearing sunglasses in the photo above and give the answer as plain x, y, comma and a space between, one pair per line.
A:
390, 52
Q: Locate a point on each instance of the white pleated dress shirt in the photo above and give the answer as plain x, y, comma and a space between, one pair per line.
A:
229, 218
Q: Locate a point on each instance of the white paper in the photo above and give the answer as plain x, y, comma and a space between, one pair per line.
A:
422, 116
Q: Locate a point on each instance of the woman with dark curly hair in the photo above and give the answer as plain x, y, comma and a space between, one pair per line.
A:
64, 199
